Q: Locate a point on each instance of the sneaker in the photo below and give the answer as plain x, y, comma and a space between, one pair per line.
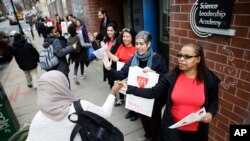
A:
119, 102
84, 76
134, 116
76, 81
128, 115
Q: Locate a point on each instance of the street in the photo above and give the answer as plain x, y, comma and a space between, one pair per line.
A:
5, 26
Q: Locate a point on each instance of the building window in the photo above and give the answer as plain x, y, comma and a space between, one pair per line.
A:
164, 21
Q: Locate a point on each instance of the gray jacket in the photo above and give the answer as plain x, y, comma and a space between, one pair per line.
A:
60, 51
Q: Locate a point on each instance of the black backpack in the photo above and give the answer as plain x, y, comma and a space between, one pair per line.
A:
92, 127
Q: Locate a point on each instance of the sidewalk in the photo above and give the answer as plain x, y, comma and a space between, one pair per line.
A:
92, 88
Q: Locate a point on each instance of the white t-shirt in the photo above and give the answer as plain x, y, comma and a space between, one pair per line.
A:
45, 129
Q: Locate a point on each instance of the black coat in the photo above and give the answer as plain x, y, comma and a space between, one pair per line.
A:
165, 86
78, 55
103, 29
25, 54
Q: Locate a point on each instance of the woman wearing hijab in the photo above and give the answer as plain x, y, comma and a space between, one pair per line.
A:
150, 62
55, 102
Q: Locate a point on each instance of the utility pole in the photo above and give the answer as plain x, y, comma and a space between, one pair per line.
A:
24, 5
18, 23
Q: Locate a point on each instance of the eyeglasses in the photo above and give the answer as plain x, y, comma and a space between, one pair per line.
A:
185, 56
126, 29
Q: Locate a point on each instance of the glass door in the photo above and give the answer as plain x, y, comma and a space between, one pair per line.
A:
163, 29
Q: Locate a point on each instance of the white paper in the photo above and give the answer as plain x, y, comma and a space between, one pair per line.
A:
119, 65
49, 24
138, 78
100, 53
193, 117
140, 105
64, 28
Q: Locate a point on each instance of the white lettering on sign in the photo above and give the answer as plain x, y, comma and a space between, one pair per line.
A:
208, 6
210, 22
209, 13
240, 132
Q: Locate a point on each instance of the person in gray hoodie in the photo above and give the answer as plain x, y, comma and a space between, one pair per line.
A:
60, 49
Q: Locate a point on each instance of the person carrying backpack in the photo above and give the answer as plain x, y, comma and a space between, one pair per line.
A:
60, 50
55, 103
26, 57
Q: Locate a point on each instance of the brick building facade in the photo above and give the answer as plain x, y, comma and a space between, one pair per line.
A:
90, 8
228, 57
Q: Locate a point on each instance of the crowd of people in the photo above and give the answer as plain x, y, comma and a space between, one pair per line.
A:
185, 89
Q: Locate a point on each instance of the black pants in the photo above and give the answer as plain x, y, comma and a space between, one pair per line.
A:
188, 135
81, 67
151, 125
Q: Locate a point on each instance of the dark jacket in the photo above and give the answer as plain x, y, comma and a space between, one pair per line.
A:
60, 51
103, 29
78, 55
165, 86
25, 54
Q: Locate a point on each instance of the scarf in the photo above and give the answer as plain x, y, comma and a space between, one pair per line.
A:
148, 56
53, 95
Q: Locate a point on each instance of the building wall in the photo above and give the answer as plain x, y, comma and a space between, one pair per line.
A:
228, 57
90, 12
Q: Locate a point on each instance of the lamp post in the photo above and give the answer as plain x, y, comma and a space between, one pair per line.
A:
18, 23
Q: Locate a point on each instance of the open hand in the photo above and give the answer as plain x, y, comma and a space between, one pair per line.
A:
104, 46
74, 45
95, 34
91, 37
107, 62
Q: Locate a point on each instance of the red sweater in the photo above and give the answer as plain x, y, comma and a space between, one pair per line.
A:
125, 53
187, 97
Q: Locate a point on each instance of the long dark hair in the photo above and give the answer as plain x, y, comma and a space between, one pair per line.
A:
131, 32
72, 29
201, 66
114, 26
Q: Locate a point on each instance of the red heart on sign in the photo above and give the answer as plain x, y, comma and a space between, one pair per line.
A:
142, 81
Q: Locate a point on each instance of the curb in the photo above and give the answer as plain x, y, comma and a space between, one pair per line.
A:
7, 72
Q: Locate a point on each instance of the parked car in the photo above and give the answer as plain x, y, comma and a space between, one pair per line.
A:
5, 43
2, 18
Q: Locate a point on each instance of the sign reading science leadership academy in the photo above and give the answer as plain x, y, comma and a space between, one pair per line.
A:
209, 17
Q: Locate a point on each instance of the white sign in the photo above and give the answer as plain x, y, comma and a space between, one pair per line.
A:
49, 24
64, 28
193, 117
136, 77
139, 104
119, 65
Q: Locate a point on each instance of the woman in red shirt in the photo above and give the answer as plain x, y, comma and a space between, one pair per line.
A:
124, 53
